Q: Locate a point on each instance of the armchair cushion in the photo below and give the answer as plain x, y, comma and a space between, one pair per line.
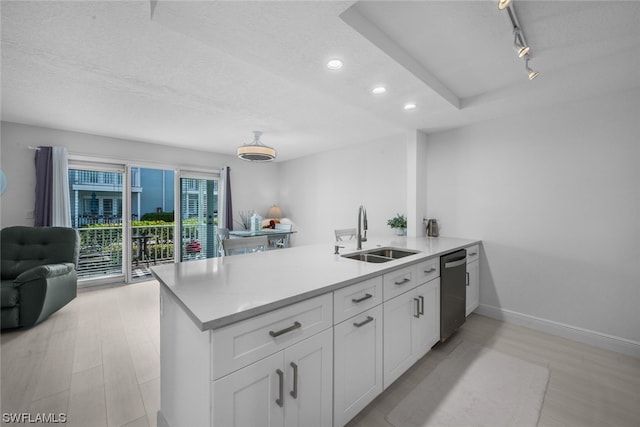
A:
26, 247
44, 271
9, 293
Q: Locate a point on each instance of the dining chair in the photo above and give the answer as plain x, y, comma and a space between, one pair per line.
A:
283, 242
343, 233
222, 234
245, 245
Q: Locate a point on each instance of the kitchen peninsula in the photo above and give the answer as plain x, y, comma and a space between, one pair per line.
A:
271, 338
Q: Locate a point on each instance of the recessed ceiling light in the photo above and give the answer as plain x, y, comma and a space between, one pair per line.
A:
334, 64
379, 90
410, 106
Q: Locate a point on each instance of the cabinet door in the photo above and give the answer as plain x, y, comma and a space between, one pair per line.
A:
427, 329
358, 364
473, 286
247, 397
309, 382
399, 315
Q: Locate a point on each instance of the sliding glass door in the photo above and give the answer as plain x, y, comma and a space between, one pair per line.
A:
131, 218
96, 197
152, 220
199, 216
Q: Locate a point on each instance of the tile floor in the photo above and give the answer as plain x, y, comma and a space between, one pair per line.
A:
97, 361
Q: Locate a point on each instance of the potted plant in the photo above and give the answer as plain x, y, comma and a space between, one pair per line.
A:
399, 222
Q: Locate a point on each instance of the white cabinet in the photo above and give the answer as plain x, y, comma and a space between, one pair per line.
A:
428, 324
473, 279
357, 363
473, 286
354, 299
247, 397
309, 382
290, 388
250, 340
411, 327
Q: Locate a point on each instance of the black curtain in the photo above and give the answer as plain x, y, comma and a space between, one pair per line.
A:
228, 209
44, 186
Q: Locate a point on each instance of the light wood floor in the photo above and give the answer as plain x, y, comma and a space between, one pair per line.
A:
97, 361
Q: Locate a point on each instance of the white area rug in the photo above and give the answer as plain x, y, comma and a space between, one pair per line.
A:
475, 386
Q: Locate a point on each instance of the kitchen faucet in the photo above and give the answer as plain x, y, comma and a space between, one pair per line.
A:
362, 224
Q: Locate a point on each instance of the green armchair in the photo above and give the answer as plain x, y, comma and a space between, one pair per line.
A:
38, 272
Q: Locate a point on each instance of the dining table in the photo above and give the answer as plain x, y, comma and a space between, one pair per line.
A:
273, 234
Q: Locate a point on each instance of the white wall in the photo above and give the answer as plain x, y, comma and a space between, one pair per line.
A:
322, 192
555, 197
254, 186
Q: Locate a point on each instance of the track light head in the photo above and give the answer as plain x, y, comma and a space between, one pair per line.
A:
503, 4
519, 46
532, 73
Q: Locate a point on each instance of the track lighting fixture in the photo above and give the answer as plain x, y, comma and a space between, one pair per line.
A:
518, 44
519, 41
532, 74
502, 4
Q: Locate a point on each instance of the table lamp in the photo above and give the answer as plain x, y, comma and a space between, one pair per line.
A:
275, 212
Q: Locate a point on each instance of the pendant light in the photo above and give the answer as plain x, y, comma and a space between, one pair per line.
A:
256, 151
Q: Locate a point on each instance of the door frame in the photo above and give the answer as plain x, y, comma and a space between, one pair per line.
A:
190, 174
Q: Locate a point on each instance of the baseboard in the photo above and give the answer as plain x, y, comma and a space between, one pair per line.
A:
585, 336
161, 420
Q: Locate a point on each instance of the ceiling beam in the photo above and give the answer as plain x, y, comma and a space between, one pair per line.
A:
385, 43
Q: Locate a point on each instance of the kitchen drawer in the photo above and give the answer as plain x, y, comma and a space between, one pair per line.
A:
356, 298
248, 341
428, 270
473, 253
399, 281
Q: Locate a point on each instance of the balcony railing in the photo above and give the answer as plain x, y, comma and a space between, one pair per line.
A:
101, 247
96, 177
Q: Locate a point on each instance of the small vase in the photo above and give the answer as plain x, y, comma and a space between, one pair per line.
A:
400, 231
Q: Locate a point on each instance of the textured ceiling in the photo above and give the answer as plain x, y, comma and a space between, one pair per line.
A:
205, 74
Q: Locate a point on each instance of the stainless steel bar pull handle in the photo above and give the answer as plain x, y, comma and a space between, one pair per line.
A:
472, 254
431, 270
293, 327
294, 392
364, 322
405, 280
421, 310
280, 399
365, 297
417, 313
455, 263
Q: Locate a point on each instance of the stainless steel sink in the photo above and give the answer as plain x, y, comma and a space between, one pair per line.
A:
367, 257
379, 255
393, 253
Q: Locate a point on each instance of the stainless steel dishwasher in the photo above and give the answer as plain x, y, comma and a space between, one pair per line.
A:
453, 292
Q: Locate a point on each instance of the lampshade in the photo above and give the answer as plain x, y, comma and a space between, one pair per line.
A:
275, 212
256, 151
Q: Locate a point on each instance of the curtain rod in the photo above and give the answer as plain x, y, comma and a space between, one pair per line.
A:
141, 163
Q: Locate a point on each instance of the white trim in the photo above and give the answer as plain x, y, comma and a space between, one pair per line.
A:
585, 336
115, 280
86, 159
199, 174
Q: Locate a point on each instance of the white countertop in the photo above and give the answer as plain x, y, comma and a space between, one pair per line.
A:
219, 291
